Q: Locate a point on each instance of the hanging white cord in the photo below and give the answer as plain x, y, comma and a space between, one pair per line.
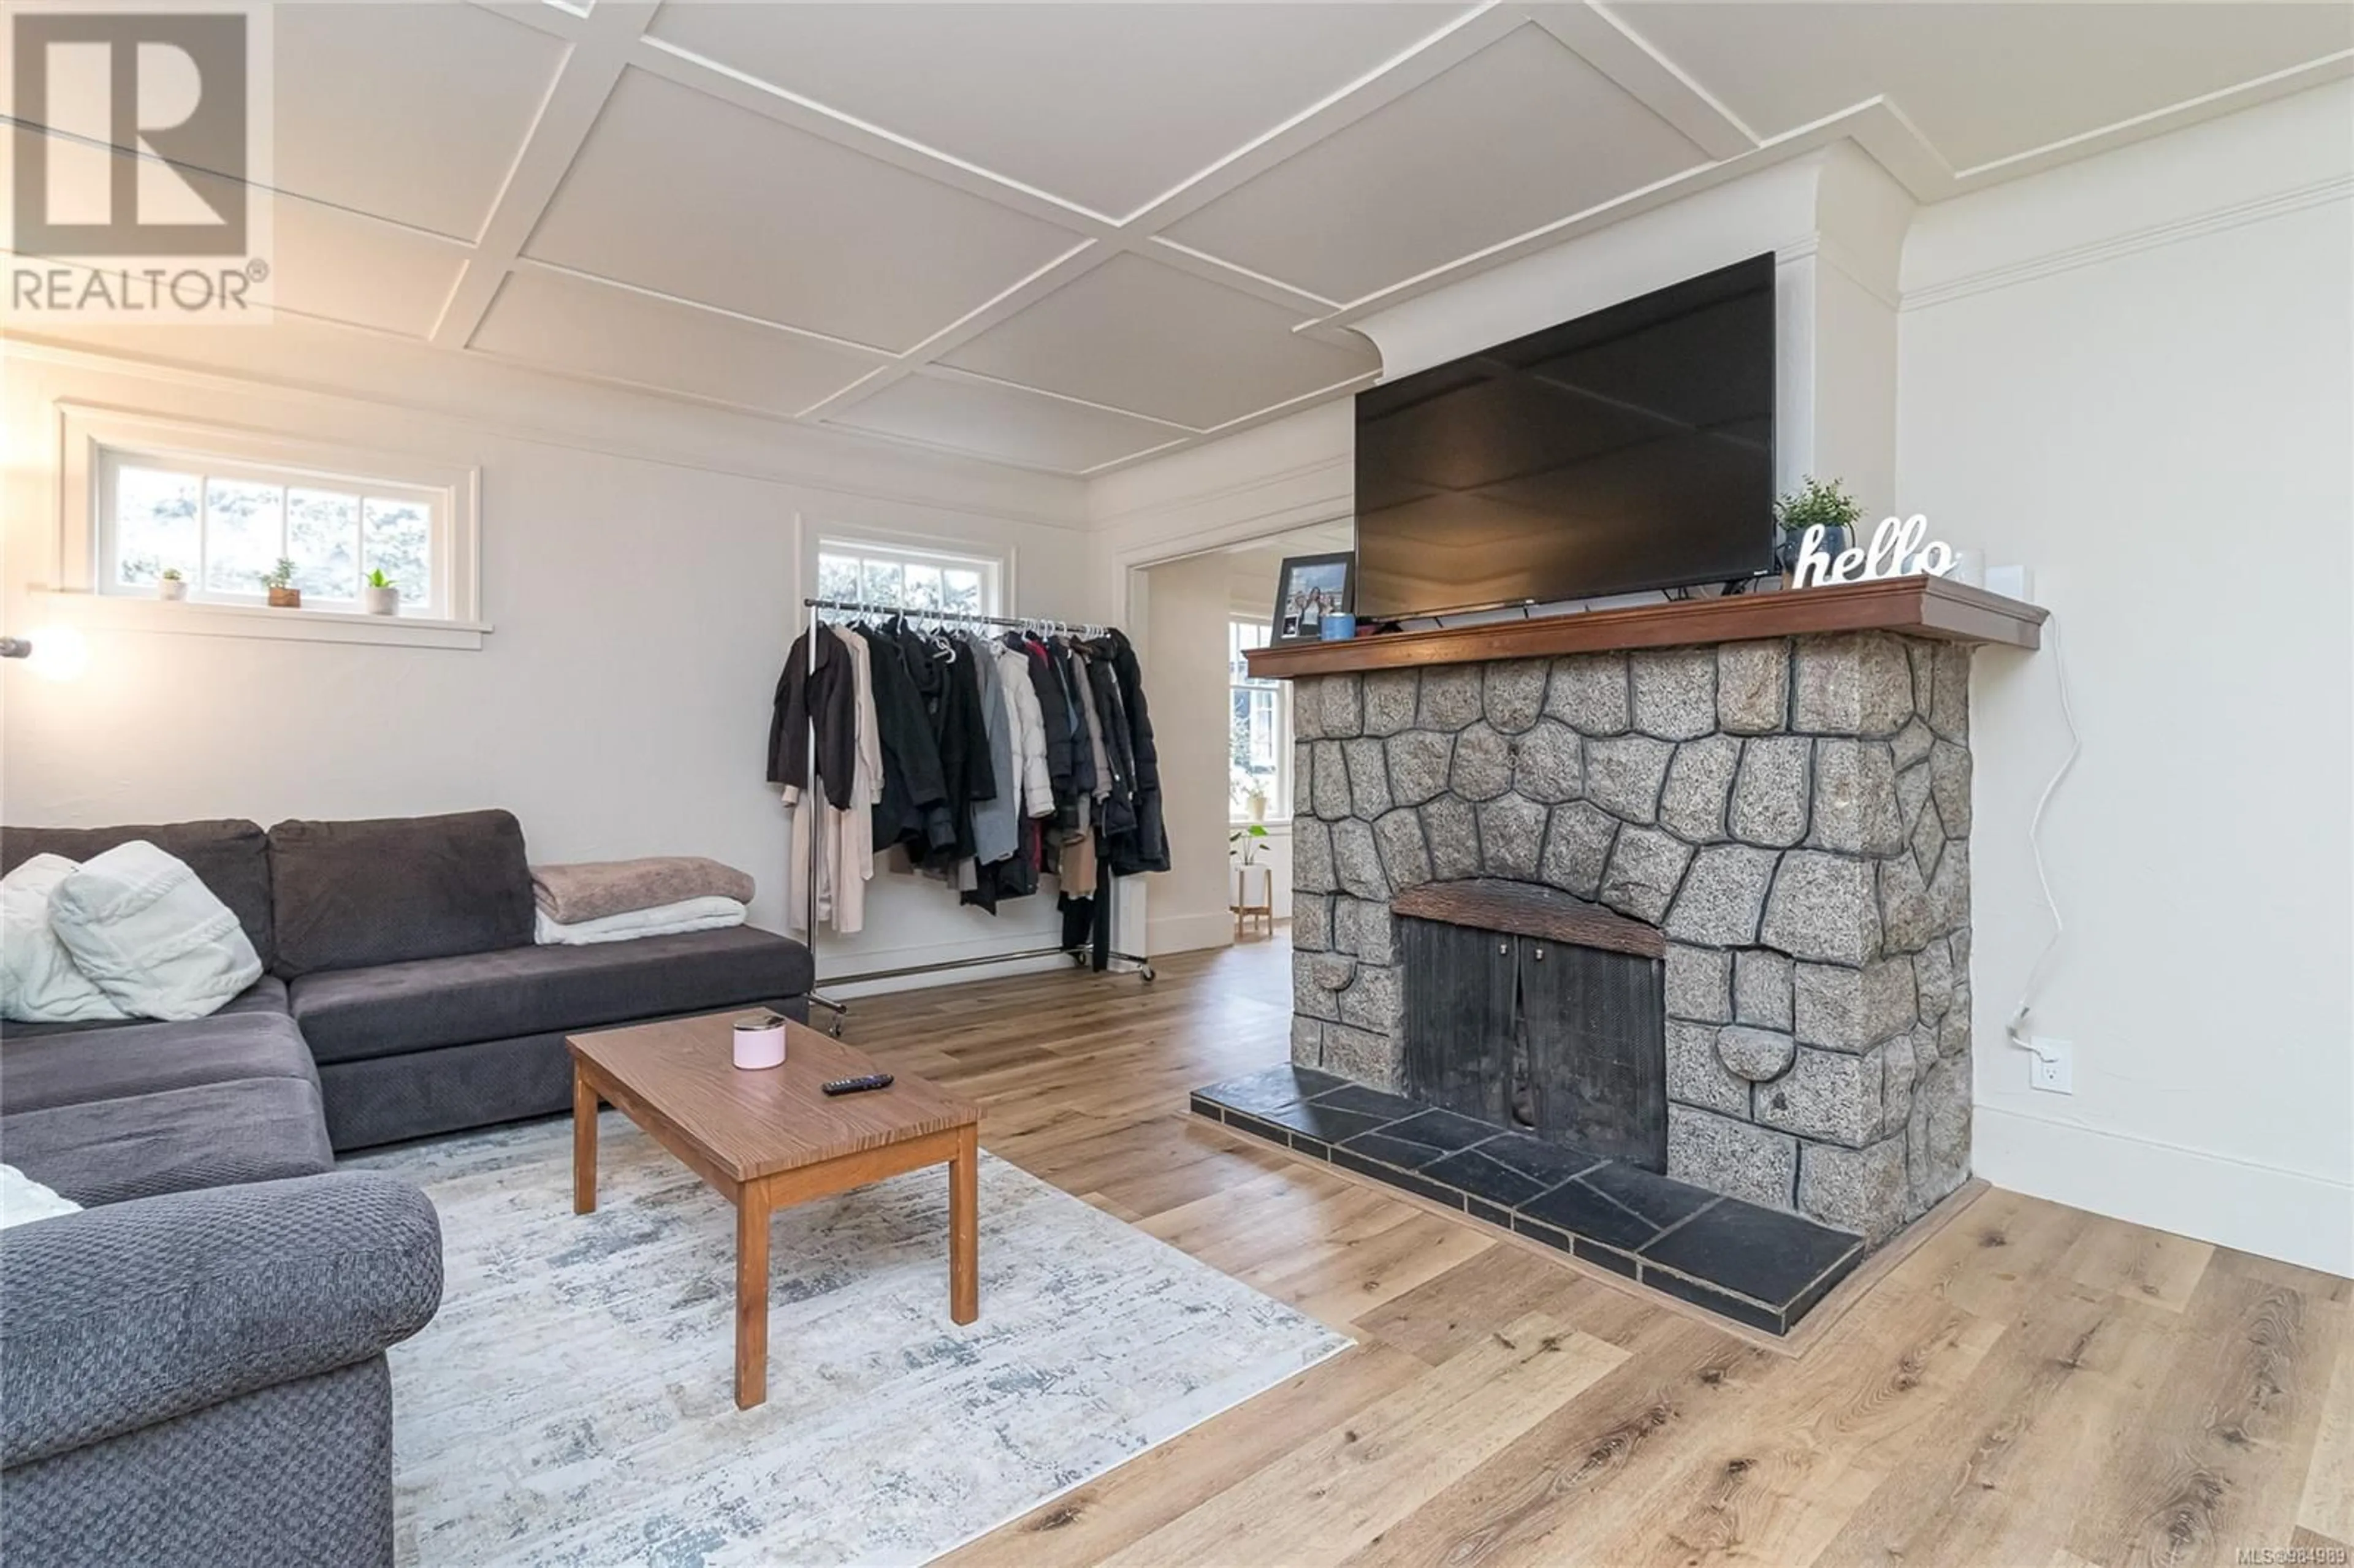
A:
2035, 847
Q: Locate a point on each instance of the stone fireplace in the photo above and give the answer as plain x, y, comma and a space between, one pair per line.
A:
1790, 815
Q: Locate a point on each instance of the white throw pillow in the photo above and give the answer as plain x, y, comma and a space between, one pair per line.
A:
151, 935
22, 1199
38, 982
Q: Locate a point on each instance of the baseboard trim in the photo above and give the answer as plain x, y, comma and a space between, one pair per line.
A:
2264, 1209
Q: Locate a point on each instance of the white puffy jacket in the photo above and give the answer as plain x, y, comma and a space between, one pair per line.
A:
1029, 725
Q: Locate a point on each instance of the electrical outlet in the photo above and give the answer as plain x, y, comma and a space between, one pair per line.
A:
2052, 1067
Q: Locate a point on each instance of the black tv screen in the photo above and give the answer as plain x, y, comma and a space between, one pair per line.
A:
1631, 448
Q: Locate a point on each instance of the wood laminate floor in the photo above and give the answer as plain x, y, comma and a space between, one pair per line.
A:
2032, 1385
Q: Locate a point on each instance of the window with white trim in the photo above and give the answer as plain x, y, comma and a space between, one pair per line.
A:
914, 580
230, 527
1259, 761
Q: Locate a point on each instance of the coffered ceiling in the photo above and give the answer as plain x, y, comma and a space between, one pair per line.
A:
1065, 236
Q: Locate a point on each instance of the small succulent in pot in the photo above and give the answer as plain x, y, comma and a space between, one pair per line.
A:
381, 594
1816, 501
279, 581
172, 584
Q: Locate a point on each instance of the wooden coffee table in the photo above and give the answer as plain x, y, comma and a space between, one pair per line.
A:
767, 1139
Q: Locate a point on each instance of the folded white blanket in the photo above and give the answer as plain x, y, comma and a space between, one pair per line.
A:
706, 914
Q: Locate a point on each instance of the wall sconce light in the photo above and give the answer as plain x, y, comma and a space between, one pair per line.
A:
54, 652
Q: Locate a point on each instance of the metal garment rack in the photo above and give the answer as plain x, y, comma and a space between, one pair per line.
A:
1109, 906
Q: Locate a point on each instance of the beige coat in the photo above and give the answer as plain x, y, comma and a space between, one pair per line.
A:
845, 840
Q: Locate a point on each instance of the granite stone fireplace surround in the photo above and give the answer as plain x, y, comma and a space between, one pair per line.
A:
1791, 814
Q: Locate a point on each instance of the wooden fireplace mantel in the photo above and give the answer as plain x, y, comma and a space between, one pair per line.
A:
1917, 606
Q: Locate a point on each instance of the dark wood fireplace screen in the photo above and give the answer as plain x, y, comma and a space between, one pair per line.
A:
1527, 1007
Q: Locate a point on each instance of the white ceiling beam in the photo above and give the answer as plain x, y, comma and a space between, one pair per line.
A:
1081, 259
1599, 37
1336, 111
594, 62
657, 56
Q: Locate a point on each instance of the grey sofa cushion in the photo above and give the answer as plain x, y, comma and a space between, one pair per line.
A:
140, 1059
121, 1318
292, 1476
351, 1014
351, 895
230, 856
266, 995
206, 1135
389, 1100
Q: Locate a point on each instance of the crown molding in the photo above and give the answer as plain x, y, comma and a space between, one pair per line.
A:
2216, 220
855, 446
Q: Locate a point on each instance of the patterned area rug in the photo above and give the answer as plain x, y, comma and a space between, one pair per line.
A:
572, 1404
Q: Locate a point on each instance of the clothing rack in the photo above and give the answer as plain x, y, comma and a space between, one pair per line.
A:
818, 608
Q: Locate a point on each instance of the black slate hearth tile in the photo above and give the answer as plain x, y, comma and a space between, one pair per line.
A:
1324, 1124
1717, 1302
1758, 1251
1617, 1262
1367, 1101
1242, 1121
1574, 1206
1207, 1108
1442, 1129
1481, 1177
1549, 1234
1385, 1146
1550, 1163
1806, 1300
1268, 1090
1479, 1210
1345, 1156
1655, 1197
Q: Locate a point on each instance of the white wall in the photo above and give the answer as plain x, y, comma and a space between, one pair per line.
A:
2136, 374
641, 567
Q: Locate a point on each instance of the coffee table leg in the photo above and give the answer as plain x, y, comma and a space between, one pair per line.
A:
751, 1297
584, 1144
964, 1228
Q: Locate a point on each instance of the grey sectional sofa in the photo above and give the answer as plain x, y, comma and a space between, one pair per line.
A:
194, 1366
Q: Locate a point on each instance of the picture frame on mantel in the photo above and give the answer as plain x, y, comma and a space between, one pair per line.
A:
1308, 588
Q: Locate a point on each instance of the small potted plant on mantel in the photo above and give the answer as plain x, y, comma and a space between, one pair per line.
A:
171, 585
381, 595
279, 581
1816, 501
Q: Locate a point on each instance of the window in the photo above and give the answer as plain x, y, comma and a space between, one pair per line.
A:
140, 495
914, 580
225, 525
1259, 760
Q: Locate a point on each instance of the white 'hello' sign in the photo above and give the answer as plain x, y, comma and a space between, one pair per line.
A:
1896, 550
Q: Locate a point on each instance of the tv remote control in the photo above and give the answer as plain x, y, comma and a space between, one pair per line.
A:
858, 1085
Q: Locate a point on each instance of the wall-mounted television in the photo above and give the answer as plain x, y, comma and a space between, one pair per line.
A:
1631, 448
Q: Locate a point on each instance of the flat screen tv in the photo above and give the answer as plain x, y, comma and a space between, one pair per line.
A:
1628, 450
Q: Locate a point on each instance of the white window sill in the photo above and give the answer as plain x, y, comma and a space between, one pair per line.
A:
1277, 827
125, 613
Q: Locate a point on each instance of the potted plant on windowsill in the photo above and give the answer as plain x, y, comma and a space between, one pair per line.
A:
381, 595
173, 585
1816, 501
280, 582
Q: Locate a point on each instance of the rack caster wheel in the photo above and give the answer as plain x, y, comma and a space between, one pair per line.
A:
837, 1026
1147, 973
